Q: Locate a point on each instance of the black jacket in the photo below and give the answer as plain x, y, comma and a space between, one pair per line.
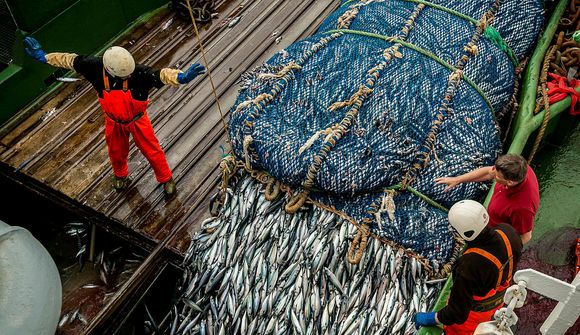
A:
476, 275
142, 80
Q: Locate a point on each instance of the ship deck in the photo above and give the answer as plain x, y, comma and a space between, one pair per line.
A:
59, 145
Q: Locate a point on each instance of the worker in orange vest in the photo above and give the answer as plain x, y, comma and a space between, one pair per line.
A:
123, 91
481, 274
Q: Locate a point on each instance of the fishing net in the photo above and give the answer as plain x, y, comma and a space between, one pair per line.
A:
360, 117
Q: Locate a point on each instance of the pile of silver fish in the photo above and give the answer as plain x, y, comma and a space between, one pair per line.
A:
254, 269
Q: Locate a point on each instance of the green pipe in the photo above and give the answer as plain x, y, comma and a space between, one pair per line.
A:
526, 123
534, 122
31, 108
532, 75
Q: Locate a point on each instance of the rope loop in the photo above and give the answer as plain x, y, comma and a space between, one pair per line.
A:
296, 202
228, 167
272, 189
246, 145
358, 245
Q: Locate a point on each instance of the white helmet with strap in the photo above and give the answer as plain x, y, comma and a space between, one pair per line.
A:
118, 62
468, 217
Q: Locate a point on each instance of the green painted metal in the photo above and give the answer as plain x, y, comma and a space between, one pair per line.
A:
81, 26
526, 124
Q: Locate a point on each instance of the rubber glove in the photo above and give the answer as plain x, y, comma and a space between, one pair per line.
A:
33, 49
193, 71
425, 319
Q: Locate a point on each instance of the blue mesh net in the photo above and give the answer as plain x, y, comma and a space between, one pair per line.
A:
360, 110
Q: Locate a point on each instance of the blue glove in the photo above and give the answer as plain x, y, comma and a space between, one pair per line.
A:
33, 49
425, 319
193, 71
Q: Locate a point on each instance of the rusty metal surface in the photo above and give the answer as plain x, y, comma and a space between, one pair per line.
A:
62, 144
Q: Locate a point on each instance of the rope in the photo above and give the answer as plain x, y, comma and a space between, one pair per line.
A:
228, 168
272, 189
493, 36
436, 6
387, 206
296, 202
420, 50
328, 132
290, 66
420, 195
255, 101
358, 245
345, 19
224, 124
247, 141
363, 91
576, 36
546, 101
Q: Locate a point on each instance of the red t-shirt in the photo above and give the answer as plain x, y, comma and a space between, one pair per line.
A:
516, 205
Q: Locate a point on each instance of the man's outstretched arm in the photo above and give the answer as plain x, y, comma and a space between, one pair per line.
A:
482, 174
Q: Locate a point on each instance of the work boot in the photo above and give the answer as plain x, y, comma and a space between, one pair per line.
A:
169, 187
119, 183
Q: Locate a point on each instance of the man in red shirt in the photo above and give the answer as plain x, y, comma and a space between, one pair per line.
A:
516, 196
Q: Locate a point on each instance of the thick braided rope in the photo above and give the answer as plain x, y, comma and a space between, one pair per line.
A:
424, 154
425, 53
545, 100
491, 33
264, 99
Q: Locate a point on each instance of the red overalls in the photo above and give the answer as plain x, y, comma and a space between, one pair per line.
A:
123, 116
484, 307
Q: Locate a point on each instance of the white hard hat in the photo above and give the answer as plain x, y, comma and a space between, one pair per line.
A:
468, 217
118, 62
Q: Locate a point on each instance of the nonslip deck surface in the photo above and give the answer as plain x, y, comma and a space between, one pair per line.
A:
62, 146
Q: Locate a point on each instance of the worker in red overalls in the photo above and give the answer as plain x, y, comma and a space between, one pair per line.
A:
481, 274
123, 90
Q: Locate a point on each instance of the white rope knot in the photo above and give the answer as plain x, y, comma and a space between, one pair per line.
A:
329, 132
387, 206
254, 101
456, 75
345, 19
363, 91
246, 144
283, 72
471, 48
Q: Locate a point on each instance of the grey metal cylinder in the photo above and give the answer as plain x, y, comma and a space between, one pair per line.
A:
30, 287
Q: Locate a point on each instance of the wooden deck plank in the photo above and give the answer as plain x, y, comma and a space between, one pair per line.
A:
168, 119
187, 139
66, 151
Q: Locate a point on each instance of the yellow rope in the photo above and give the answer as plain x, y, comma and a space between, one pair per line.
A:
246, 145
362, 91
546, 101
289, 67
358, 245
255, 101
345, 19
209, 73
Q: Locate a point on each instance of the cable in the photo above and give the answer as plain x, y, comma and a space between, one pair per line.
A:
225, 126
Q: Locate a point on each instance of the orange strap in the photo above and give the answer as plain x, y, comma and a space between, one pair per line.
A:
489, 256
106, 81
509, 253
494, 259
